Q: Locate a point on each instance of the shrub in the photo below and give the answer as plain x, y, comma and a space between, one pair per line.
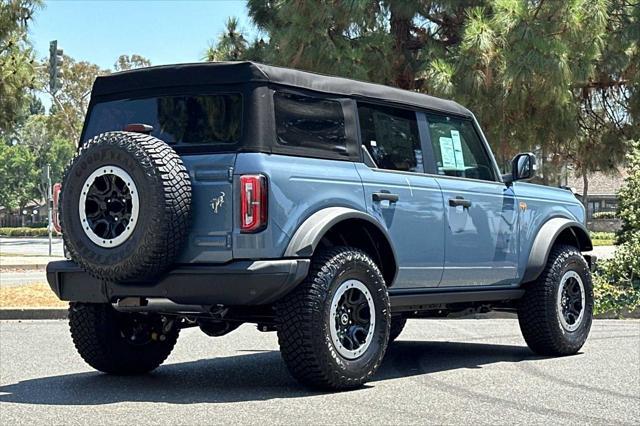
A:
605, 215
602, 235
629, 197
617, 281
24, 232
37, 225
603, 238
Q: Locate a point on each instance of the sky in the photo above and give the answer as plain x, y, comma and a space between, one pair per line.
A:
164, 32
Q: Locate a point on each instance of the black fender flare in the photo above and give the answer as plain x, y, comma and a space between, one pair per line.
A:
308, 235
546, 238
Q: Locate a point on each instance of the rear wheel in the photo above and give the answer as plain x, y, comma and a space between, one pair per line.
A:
556, 311
119, 343
333, 329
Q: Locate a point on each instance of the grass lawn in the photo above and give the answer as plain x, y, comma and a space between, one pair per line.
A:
29, 296
603, 242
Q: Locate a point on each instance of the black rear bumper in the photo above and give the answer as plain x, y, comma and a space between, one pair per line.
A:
252, 282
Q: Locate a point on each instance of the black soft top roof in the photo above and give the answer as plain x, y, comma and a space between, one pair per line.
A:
207, 73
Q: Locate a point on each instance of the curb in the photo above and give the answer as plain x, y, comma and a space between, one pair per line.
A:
624, 314
33, 313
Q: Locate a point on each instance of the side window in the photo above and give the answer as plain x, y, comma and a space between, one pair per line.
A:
458, 150
391, 137
306, 121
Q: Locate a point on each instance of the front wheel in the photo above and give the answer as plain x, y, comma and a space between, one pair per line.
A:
556, 311
333, 329
121, 343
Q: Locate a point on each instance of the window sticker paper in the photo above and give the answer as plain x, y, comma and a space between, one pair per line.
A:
447, 152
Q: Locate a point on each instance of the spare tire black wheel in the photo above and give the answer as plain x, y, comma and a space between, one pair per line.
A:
125, 206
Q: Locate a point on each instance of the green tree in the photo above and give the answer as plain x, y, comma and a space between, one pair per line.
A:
126, 62
606, 119
629, 199
527, 69
45, 147
70, 102
23, 160
35, 105
371, 40
17, 65
18, 176
58, 156
617, 282
231, 45
32, 105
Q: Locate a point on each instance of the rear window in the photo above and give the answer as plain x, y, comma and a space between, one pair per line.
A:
310, 122
193, 120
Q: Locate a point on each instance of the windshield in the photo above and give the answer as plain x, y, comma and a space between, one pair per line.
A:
188, 120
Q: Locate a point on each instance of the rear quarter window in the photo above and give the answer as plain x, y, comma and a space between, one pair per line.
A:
188, 120
310, 122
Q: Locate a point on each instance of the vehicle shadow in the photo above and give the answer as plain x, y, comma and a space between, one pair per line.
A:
251, 377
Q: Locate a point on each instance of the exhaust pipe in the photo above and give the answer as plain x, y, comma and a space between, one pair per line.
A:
158, 305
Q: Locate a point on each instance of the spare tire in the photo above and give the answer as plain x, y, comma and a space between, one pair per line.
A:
125, 207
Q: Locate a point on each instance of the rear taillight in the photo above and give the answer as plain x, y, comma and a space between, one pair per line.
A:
253, 203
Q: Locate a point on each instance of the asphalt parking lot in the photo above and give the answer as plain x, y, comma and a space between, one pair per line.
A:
440, 371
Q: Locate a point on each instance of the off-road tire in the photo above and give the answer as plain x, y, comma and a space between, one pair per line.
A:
98, 338
164, 191
538, 311
397, 325
303, 322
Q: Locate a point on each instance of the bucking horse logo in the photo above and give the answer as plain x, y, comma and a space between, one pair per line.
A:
216, 202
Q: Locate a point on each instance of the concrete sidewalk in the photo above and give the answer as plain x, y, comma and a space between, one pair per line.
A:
30, 246
19, 263
603, 252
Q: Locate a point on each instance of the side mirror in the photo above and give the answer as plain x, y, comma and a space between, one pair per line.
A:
523, 167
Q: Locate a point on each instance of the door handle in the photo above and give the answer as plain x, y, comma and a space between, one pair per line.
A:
385, 195
459, 201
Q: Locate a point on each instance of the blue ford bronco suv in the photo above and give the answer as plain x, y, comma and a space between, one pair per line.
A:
325, 209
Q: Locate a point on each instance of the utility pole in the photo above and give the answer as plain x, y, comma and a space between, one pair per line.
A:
47, 176
56, 57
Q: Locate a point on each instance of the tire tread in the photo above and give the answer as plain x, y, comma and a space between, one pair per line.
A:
300, 309
90, 326
536, 311
172, 208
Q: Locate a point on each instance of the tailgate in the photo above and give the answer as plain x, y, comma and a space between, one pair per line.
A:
211, 209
